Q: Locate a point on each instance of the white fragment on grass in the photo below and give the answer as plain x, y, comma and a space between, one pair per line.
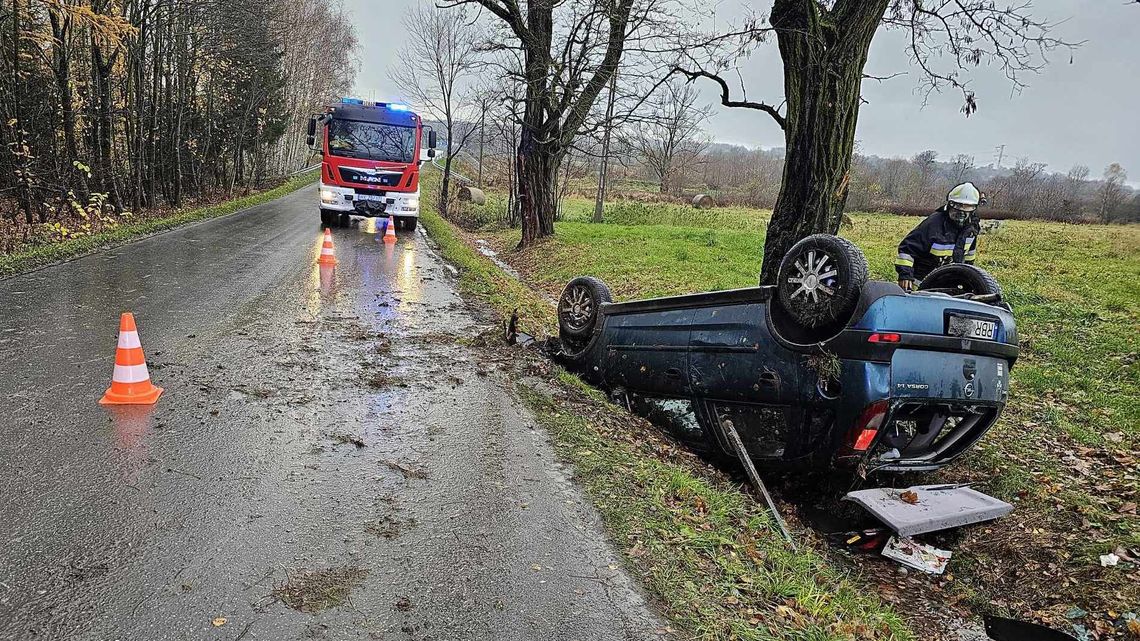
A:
1109, 560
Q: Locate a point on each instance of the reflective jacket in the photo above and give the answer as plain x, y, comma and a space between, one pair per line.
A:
936, 241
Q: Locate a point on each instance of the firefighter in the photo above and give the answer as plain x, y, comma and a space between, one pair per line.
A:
949, 235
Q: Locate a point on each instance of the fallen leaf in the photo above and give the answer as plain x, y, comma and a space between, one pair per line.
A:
908, 497
219, 622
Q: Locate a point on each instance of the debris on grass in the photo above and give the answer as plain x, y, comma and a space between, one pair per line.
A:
919, 556
403, 604
315, 590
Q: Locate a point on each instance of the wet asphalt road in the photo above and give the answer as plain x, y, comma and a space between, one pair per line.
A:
313, 420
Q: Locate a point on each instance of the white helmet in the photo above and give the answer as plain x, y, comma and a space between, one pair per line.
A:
962, 201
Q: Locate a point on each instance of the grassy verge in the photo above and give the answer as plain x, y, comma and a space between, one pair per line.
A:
701, 545
1066, 450
40, 255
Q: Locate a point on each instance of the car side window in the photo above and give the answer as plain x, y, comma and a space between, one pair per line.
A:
763, 428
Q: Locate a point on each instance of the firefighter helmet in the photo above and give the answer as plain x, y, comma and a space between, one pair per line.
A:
962, 201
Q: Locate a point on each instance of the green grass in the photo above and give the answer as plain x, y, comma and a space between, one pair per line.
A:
40, 255
708, 551
1065, 450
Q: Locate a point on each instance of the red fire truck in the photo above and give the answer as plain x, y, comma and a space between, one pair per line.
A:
371, 154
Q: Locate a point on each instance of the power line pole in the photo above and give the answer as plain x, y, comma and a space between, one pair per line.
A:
1000, 149
482, 137
604, 167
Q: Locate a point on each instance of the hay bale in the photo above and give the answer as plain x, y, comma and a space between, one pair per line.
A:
703, 201
472, 195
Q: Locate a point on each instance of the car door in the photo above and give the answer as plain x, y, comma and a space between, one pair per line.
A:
739, 373
648, 352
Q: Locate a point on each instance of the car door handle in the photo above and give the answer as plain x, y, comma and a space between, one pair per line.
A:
673, 373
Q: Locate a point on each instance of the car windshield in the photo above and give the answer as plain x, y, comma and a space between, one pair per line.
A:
371, 141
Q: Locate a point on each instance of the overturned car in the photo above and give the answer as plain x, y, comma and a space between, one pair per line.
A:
826, 368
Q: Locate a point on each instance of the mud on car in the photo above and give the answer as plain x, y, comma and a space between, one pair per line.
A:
825, 368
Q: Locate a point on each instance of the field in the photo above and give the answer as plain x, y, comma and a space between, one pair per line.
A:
1065, 452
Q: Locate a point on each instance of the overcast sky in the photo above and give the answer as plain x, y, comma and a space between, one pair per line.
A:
1084, 112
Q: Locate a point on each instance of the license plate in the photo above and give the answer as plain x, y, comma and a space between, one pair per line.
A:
972, 328
369, 197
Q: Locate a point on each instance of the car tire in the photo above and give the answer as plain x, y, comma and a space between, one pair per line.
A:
820, 280
960, 278
579, 308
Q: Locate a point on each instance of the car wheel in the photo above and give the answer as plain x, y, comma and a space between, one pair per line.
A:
820, 279
579, 307
960, 278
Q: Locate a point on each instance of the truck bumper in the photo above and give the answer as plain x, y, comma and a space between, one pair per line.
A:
375, 203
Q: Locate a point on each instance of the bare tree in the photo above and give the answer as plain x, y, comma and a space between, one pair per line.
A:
1075, 182
1112, 194
961, 169
441, 55
925, 165
673, 135
569, 51
823, 46
1019, 189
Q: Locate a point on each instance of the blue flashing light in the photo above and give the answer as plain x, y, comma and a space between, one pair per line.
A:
399, 107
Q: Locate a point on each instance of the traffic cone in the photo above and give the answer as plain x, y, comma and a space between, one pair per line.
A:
327, 257
390, 232
130, 384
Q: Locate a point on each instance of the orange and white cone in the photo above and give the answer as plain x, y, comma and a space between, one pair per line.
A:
130, 384
390, 232
327, 257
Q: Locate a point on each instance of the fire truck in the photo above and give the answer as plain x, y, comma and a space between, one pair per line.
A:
371, 154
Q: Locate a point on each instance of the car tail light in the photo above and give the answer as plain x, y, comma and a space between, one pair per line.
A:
867, 427
883, 338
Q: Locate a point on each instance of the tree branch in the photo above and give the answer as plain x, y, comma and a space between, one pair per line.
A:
725, 98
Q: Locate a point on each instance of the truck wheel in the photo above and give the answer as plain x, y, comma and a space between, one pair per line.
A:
328, 218
345, 220
579, 307
960, 278
820, 280
408, 223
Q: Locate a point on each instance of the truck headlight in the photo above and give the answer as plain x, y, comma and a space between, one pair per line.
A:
413, 203
328, 196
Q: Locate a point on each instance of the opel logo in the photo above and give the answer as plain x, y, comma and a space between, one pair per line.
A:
968, 390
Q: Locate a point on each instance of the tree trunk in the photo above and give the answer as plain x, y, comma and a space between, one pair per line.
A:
824, 55
537, 172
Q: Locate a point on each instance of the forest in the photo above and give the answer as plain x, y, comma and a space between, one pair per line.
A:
114, 109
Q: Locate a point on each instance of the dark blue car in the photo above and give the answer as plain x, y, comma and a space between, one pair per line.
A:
823, 369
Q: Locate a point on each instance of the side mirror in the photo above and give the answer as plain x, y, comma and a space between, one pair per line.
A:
312, 128
431, 153
311, 141
431, 140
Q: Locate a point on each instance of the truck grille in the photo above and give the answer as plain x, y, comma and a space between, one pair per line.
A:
351, 175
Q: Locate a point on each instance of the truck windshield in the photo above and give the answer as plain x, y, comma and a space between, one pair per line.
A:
372, 141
